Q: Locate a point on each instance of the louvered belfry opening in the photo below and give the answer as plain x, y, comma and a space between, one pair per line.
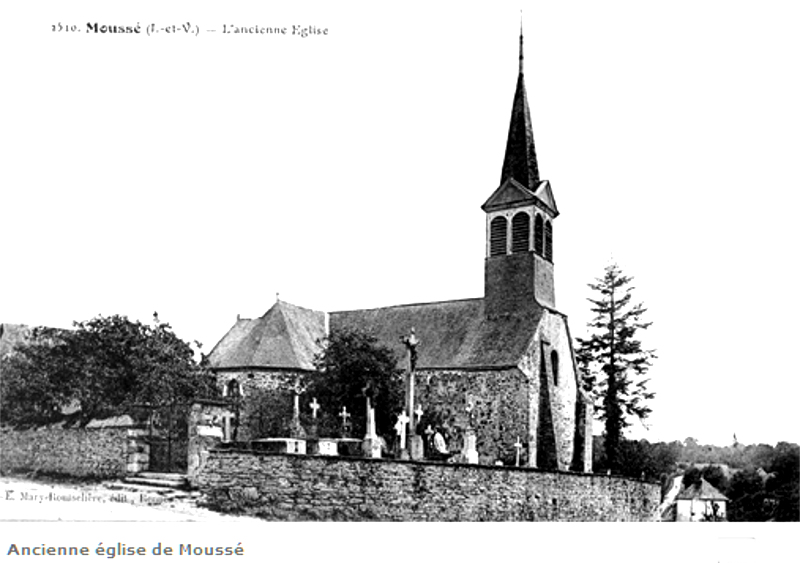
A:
538, 235
548, 241
497, 237
520, 232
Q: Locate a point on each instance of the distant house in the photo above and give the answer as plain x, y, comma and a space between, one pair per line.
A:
700, 502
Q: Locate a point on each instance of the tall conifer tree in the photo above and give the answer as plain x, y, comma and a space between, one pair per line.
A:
612, 359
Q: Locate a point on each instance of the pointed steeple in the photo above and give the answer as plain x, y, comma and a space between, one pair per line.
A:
520, 159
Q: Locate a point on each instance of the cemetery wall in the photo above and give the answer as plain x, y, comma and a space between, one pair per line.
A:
295, 487
101, 451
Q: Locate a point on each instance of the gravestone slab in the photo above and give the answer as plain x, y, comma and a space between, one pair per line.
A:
280, 445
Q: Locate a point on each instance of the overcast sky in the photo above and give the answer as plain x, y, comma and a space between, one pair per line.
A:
198, 176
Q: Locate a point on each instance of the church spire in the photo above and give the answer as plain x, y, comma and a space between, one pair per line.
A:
520, 159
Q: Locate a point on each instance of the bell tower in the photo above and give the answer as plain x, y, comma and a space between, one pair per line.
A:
518, 275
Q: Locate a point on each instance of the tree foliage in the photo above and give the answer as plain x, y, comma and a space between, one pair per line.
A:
352, 366
101, 367
613, 363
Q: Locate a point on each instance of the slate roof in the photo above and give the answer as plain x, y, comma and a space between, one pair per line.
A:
520, 158
286, 336
701, 491
452, 334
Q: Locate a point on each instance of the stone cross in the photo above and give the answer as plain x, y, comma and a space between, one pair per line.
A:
518, 446
296, 413
419, 412
344, 415
400, 428
314, 407
411, 343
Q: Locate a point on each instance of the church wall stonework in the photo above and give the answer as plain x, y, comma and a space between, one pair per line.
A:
552, 336
499, 408
295, 487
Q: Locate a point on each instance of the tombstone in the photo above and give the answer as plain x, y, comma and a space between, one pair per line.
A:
400, 428
371, 445
345, 416
296, 430
429, 432
469, 452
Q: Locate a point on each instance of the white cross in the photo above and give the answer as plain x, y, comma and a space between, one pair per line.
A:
400, 428
518, 446
314, 407
344, 415
419, 412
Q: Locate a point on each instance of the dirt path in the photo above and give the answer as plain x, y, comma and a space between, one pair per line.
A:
113, 501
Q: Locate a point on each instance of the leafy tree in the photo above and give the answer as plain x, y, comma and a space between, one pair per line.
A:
612, 359
352, 366
101, 367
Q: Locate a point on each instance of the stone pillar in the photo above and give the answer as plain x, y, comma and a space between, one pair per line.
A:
138, 450
207, 423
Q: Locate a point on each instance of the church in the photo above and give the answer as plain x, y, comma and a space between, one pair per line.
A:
502, 364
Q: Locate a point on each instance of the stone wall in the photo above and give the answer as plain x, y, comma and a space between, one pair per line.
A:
294, 487
100, 451
553, 393
499, 408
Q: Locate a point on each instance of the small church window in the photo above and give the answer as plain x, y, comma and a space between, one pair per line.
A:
554, 366
538, 235
548, 241
520, 232
498, 236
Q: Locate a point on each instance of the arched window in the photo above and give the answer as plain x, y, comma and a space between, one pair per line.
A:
497, 236
538, 235
548, 241
554, 366
520, 232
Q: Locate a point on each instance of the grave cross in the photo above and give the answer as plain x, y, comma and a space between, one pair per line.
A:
344, 415
314, 407
400, 428
419, 412
518, 446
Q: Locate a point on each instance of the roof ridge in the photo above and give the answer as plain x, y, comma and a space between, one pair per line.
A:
410, 305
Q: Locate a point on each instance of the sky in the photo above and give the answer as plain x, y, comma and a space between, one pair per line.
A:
202, 175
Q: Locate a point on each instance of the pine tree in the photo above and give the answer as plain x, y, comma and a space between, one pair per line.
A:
612, 360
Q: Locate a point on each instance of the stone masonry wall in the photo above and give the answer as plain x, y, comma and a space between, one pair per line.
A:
80, 452
499, 408
294, 487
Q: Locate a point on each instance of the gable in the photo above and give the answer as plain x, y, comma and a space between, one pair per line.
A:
510, 193
544, 192
513, 194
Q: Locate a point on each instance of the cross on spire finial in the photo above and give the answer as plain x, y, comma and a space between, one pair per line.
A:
520, 42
